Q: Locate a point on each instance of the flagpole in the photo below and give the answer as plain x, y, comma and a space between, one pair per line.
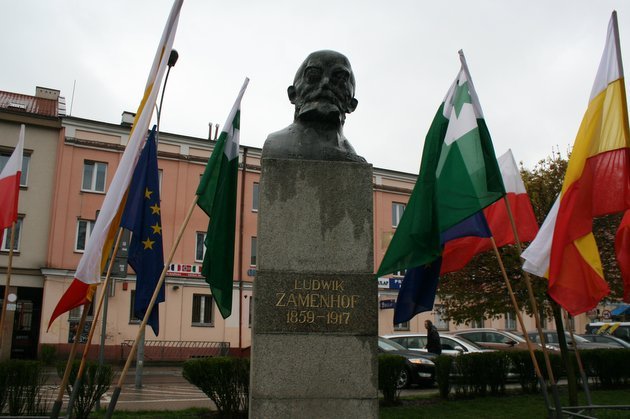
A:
66, 375
530, 348
5, 300
118, 388
532, 300
587, 392
77, 381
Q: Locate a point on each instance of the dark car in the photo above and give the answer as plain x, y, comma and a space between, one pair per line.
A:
419, 368
611, 340
551, 338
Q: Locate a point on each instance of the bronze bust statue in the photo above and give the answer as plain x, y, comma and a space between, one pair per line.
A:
323, 93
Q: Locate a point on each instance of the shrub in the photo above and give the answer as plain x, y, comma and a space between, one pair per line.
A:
476, 373
608, 367
94, 383
443, 366
24, 382
389, 369
224, 380
4, 385
523, 366
47, 354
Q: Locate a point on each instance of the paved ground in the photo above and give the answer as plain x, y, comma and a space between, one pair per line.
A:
163, 388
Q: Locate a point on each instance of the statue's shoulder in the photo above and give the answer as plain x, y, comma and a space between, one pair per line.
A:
282, 143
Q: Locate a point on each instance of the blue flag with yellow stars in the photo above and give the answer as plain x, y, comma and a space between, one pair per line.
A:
142, 217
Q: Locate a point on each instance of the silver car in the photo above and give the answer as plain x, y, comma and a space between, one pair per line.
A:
451, 345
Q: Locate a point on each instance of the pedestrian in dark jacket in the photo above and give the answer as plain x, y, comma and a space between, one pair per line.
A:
433, 338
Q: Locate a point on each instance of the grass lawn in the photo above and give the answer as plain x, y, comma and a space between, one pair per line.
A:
513, 407
510, 406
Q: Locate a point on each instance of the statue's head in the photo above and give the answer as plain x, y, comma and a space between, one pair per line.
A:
323, 88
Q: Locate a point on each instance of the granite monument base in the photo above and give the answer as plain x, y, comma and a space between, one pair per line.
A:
315, 320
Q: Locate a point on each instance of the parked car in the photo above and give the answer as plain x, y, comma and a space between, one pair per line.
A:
419, 368
611, 340
620, 330
551, 338
451, 345
497, 339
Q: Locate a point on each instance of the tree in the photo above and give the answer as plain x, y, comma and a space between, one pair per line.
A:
479, 291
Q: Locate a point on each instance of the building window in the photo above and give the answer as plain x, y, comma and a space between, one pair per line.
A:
439, 321
94, 175
202, 310
84, 231
255, 196
74, 317
200, 246
397, 212
26, 160
477, 324
252, 261
510, 321
132, 308
6, 237
160, 174
402, 326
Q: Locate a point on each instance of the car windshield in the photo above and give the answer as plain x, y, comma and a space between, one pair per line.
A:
390, 345
579, 339
514, 336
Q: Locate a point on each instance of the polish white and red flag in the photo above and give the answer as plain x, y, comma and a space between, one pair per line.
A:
457, 253
10, 185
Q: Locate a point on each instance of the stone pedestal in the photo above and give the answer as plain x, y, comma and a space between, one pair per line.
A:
315, 321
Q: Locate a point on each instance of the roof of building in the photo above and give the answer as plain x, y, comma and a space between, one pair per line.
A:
16, 102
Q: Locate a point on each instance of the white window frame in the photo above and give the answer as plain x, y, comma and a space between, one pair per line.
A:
6, 236
89, 226
404, 326
93, 187
510, 321
200, 235
398, 208
204, 300
26, 162
438, 320
132, 304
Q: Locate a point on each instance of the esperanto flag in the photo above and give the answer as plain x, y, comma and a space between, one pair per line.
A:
459, 176
217, 198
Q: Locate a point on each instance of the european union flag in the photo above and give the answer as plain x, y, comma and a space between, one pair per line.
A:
142, 217
417, 293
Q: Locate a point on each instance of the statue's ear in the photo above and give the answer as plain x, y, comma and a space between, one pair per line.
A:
291, 93
352, 105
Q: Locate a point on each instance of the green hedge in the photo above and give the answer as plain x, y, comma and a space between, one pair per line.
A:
389, 370
95, 381
225, 380
608, 368
478, 373
21, 391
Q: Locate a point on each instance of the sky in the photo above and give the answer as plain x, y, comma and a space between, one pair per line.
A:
533, 63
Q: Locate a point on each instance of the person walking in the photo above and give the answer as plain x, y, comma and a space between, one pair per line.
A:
433, 338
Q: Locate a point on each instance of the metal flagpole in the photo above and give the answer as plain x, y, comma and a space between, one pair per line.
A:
134, 347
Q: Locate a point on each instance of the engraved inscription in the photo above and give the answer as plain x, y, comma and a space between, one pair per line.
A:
315, 301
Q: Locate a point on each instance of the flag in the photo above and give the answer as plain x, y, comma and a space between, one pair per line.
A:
10, 185
417, 292
457, 253
622, 244
98, 248
459, 176
142, 217
217, 198
597, 182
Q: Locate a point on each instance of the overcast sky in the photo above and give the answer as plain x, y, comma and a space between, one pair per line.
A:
533, 63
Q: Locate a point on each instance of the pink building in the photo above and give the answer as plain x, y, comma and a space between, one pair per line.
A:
73, 161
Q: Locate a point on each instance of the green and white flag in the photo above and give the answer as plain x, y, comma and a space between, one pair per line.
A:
217, 198
459, 176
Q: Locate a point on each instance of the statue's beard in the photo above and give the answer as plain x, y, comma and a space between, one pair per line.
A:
320, 111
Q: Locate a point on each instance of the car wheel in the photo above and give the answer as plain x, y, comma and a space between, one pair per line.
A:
403, 379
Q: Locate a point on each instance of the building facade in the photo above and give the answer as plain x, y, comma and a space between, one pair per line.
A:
72, 163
